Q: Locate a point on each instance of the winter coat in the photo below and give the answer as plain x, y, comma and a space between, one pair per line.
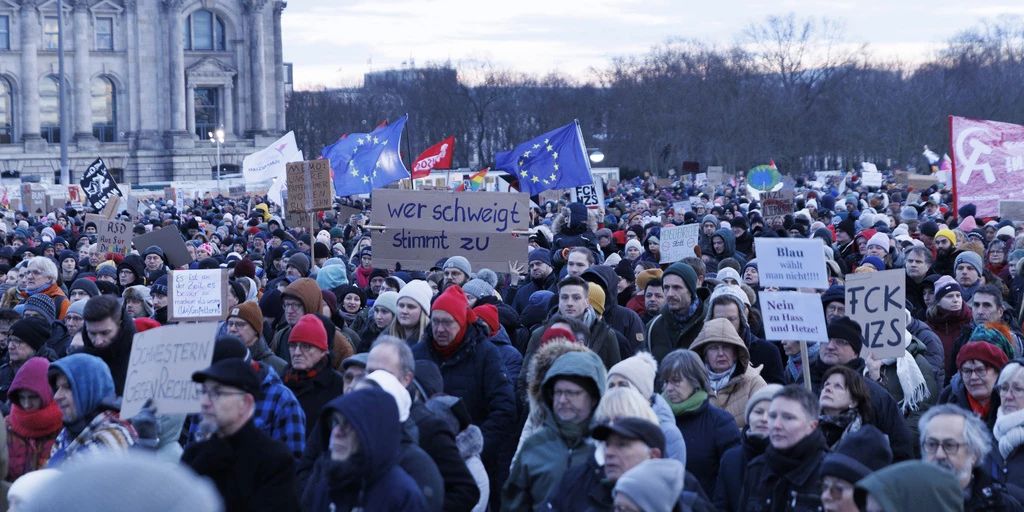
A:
476, 373
729, 251
745, 379
675, 446
510, 357
574, 232
421, 468
732, 471
440, 442
622, 319
371, 479
601, 340
313, 393
252, 472
532, 381
956, 393
117, 354
989, 495
548, 454
261, 353
584, 488
665, 333
891, 382
948, 327
766, 355
524, 292
306, 291
31, 434
768, 487
709, 432
934, 353
59, 340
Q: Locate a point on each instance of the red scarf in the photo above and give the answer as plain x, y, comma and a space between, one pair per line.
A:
979, 408
363, 276
452, 347
35, 424
293, 376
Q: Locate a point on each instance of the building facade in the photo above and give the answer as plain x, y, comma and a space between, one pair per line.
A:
148, 80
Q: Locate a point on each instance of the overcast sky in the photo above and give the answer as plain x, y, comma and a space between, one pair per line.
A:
333, 42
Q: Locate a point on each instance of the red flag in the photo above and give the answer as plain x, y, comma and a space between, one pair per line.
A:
438, 156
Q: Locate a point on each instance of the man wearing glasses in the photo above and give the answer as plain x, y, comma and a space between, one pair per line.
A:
955, 439
251, 470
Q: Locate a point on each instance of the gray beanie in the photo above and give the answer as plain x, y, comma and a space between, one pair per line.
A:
653, 485
478, 288
971, 258
488, 275
765, 393
459, 262
76, 308
710, 218
387, 300
908, 213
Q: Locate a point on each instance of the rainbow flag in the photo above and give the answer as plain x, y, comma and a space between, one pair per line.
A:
476, 181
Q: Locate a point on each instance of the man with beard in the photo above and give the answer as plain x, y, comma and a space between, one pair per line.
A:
654, 299
945, 252
542, 277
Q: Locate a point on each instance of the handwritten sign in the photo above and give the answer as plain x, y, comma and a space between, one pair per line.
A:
197, 295
310, 188
677, 242
793, 316
33, 197
236, 191
775, 204
112, 235
420, 249
921, 181
876, 300
169, 239
872, 179
161, 365
681, 207
716, 175
1012, 210
791, 263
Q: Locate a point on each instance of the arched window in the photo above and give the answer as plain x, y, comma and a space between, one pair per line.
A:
104, 109
204, 30
6, 112
49, 109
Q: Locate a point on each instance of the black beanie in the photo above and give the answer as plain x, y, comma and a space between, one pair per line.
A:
625, 269
32, 330
930, 228
847, 330
858, 454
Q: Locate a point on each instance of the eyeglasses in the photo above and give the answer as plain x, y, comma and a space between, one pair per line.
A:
216, 393
568, 393
967, 372
292, 305
1015, 389
237, 324
949, 446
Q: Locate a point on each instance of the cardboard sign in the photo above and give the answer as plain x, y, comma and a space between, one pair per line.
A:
921, 181
592, 196
33, 197
419, 249
793, 316
112, 235
1012, 210
681, 207
677, 242
701, 179
871, 179
776, 204
310, 188
346, 212
236, 191
197, 295
169, 239
161, 365
716, 175
876, 300
99, 185
901, 178
791, 263
479, 212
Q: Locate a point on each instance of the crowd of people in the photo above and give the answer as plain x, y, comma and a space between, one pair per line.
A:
586, 375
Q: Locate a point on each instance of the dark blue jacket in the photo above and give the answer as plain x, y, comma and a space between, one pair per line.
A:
510, 357
733, 469
371, 479
767, 356
708, 432
523, 293
624, 320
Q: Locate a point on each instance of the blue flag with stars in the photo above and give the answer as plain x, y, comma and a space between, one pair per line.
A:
362, 162
555, 160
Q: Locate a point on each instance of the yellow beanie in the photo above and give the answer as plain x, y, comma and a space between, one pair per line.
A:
947, 234
596, 297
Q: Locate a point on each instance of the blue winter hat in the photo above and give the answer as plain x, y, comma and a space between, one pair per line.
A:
540, 254
89, 378
874, 261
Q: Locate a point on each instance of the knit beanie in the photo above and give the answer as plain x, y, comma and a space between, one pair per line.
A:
879, 240
1005, 233
654, 484
596, 297
971, 258
387, 300
419, 291
390, 384
540, 254
488, 276
983, 351
848, 330
874, 261
684, 272
835, 293
309, 330
645, 276
639, 370
765, 393
624, 269
944, 285
728, 273
995, 333
76, 308
489, 314
947, 234
245, 268
908, 213
85, 285
858, 454
555, 333
300, 262
633, 243
478, 288
460, 263
34, 331
43, 305
929, 228
250, 312
159, 286
453, 301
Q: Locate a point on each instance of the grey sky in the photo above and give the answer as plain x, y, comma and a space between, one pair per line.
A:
333, 42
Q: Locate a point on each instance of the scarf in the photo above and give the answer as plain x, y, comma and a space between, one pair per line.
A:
40, 289
786, 460
571, 432
1009, 431
692, 310
453, 347
43, 422
363, 276
293, 376
349, 317
719, 380
691, 404
836, 427
589, 317
981, 409
915, 390
794, 365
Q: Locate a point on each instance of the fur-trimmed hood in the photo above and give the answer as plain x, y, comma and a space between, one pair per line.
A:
470, 442
539, 365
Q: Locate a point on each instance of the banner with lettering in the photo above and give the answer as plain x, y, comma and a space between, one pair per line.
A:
99, 185
438, 156
988, 163
161, 365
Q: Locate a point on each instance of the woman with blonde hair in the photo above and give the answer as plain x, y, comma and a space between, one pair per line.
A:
413, 312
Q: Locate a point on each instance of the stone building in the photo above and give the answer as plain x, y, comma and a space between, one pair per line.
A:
148, 80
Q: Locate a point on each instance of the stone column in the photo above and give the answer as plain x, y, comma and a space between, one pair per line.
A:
82, 74
279, 68
229, 110
29, 70
190, 111
177, 65
256, 57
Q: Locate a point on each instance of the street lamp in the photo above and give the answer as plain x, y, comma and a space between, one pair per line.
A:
217, 138
596, 156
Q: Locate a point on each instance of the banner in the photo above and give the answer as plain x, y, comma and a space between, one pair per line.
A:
438, 156
793, 316
791, 263
876, 300
988, 163
677, 242
161, 365
99, 185
269, 163
776, 204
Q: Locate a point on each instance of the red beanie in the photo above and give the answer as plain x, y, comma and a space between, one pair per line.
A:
489, 313
309, 330
453, 301
983, 351
145, 324
552, 333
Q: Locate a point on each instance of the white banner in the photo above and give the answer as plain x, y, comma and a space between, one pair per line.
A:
269, 163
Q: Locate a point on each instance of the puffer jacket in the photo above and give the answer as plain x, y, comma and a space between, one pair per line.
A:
745, 379
709, 432
532, 399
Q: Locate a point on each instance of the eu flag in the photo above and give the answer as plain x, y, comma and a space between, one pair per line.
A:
555, 160
362, 162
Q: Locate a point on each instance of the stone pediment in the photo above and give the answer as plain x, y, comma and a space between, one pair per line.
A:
210, 67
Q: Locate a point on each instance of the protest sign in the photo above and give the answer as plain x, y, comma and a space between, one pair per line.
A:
871, 179
169, 239
1013, 210
681, 207
99, 185
425, 226
677, 242
33, 197
592, 195
793, 316
776, 204
913, 197
700, 179
921, 181
716, 175
791, 263
161, 365
876, 300
236, 191
988, 158
346, 212
197, 295
310, 188
111, 235
902, 178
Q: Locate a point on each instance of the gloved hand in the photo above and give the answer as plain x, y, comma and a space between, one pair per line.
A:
146, 425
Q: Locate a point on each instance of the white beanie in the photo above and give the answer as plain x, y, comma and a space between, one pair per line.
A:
728, 273
613, 260
880, 240
1005, 231
639, 370
634, 243
419, 291
389, 383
